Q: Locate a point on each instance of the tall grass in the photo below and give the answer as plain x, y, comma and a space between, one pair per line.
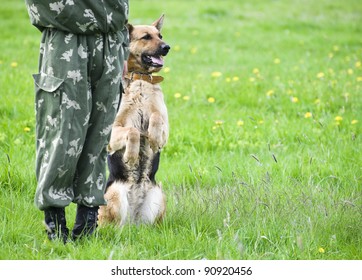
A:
264, 155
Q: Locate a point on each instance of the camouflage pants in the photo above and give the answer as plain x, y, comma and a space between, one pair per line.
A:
77, 95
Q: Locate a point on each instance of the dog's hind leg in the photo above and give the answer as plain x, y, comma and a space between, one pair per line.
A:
157, 132
153, 207
127, 139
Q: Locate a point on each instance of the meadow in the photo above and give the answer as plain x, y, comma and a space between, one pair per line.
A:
264, 159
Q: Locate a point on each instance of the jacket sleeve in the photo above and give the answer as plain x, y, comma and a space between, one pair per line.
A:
79, 16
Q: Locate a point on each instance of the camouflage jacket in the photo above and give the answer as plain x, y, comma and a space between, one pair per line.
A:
80, 16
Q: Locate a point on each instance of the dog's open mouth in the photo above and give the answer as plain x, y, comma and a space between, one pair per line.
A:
152, 60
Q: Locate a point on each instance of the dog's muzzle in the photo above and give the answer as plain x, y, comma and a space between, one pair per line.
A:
156, 59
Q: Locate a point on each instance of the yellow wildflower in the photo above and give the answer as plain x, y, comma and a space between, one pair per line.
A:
269, 93
228, 80
354, 121
277, 61
336, 48
240, 123
14, 64
317, 101
219, 122
294, 99
176, 48
320, 75
235, 79
358, 64
216, 74
252, 79
193, 50
186, 98
359, 79
177, 95
26, 129
350, 71
211, 99
308, 115
338, 118
321, 250
166, 70
256, 71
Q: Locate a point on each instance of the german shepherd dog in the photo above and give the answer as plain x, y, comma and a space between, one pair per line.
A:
139, 132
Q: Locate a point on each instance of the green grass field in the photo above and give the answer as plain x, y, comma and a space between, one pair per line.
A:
264, 159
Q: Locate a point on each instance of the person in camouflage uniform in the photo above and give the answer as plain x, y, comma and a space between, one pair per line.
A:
83, 49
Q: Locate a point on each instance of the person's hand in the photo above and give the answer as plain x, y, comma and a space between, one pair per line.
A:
125, 69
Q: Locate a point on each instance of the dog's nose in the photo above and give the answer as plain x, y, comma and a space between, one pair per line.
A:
165, 49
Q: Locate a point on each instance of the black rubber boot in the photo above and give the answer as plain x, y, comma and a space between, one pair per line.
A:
55, 222
85, 221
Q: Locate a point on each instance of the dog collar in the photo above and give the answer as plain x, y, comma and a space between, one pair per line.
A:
144, 77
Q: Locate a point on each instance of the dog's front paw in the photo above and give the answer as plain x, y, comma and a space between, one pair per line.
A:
130, 159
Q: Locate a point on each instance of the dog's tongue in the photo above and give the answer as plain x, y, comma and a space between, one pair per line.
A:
157, 60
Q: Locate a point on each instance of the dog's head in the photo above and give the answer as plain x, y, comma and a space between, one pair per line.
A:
147, 48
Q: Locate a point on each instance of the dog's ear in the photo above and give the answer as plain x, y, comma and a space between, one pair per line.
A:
130, 28
158, 23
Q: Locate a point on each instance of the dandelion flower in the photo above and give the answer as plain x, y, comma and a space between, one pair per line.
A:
336, 48
235, 79
321, 250
14, 64
338, 118
219, 122
211, 100
256, 71
354, 121
294, 99
177, 95
252, 79
320, 75
330, 55
269, 93
350, 71
26, 129
308, 115
358, 64
276, 61
166, 70
359, 79
186, 98
176, 48
193, 50
240, 123
261, 122
216, 74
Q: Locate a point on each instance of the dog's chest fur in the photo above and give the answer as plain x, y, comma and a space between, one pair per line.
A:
139, 101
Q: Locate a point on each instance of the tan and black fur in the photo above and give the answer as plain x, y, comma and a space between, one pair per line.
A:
139, 132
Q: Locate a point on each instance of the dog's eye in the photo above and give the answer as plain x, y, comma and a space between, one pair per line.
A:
147, 37
160, 36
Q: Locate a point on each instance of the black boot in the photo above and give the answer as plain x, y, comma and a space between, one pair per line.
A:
85, 221
56, 226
